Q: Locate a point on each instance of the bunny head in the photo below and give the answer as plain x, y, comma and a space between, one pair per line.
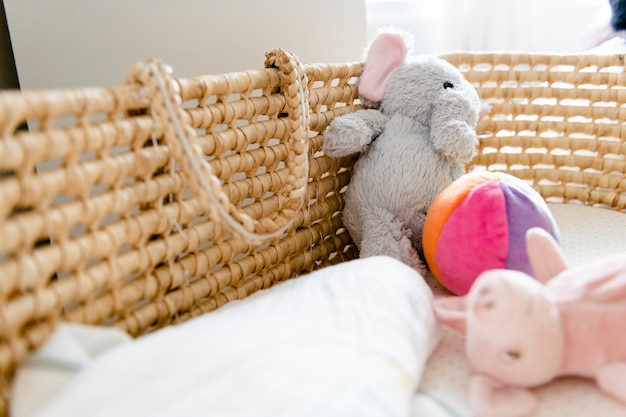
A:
512, 328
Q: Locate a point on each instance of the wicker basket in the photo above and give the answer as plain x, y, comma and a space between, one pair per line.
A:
150, 203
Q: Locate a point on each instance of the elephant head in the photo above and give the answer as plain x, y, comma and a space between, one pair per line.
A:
427, 89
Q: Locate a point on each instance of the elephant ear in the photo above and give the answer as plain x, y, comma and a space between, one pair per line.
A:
544, 254
386, 53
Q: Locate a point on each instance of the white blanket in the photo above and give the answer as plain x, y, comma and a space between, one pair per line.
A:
348, 340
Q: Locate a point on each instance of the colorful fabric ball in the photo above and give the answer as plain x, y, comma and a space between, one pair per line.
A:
479, 223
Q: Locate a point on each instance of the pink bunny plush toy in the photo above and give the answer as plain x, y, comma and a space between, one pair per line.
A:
522, 333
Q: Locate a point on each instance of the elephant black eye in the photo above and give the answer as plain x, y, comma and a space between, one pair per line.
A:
448, 84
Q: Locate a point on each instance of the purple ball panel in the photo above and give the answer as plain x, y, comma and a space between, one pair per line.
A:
523, 213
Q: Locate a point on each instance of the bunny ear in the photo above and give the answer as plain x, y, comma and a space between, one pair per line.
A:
544, 254
386, 53
452, 312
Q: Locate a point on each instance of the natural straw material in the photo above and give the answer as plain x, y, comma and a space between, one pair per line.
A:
558, 122
105, 220
181, 141
144, 205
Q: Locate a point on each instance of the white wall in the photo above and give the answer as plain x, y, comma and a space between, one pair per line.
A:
64, 43
493, 25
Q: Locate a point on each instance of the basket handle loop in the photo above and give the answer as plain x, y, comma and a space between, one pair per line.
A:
166, 106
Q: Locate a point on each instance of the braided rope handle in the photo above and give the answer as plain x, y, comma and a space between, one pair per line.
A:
181, 139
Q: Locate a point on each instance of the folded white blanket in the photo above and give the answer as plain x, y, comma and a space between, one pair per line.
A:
348, 340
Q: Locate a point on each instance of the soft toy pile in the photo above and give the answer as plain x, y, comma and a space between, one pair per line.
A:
414, 140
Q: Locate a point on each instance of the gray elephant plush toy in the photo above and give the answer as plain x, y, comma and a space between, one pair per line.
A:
414, 140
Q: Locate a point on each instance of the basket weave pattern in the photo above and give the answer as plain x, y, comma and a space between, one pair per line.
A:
102, 221
558, 122
144, 205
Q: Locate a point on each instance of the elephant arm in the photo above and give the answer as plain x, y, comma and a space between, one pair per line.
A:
353, 132
455, 139
489, 398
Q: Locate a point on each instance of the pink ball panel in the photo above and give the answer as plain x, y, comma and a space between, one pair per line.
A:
475, 236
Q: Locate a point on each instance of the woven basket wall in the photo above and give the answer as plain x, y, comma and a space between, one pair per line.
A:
112, 201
